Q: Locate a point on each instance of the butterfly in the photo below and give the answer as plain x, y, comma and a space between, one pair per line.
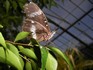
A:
36, 23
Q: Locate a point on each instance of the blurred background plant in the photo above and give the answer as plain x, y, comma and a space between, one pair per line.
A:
11, 17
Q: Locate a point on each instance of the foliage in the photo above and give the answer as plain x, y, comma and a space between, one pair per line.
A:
32, 56
11, 17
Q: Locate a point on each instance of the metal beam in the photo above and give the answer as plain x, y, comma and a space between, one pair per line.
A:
66, 30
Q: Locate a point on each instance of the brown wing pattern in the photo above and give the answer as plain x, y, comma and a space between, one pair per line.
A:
38, 15
40, 30
35, 17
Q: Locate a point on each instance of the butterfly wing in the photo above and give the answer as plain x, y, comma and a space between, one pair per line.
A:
35, 13
36, 22
37, 30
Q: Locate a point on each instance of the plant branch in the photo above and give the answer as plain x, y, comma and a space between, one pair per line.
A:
18, 43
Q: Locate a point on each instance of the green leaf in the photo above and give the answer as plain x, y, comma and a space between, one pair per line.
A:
6, 56
22, 1
12, 48
21, 36
20, 47
44, 55
60, 53
2, 41
21, 61
7, 5
21, 5
34, 65
51, 63
28, 65
14, 4
1, 26
29, 53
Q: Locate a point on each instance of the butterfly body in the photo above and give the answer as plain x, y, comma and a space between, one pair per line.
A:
36, 23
